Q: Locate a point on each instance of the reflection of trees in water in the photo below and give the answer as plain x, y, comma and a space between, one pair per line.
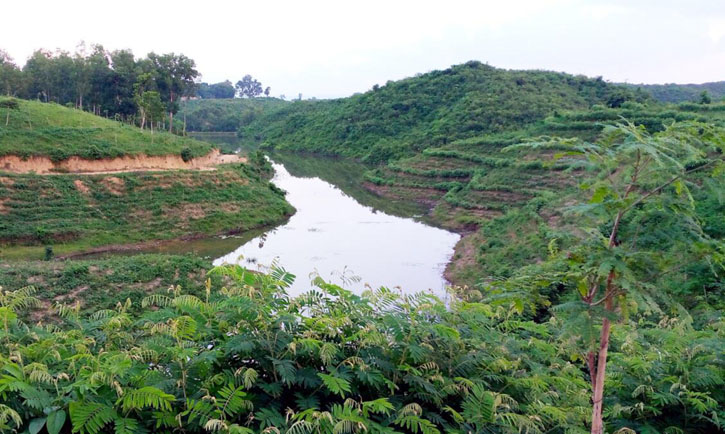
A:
262, 240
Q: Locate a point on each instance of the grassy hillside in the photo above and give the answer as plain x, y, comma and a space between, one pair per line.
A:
675, 93
80, 211
406, 116
30, 128
204, 115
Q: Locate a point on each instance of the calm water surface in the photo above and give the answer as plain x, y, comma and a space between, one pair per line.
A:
337, 237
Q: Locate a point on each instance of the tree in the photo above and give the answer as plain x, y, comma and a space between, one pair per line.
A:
39, 75
642, 180
224, 89
11, 79
249, 87
174, 76
267, 90
705, 97
151, 107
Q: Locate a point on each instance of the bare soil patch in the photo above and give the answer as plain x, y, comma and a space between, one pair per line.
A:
127, 163
80, 186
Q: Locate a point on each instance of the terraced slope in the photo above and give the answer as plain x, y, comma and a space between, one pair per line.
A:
82, 211
144, 198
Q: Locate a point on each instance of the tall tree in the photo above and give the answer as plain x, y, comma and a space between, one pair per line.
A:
175, 75
11, 78
249, 87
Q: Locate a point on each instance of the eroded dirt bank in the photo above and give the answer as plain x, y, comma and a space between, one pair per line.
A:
127, 163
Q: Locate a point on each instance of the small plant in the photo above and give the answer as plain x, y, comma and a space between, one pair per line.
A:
49, 253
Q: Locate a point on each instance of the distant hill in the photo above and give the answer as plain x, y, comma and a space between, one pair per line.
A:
676, 93
204, 115
405, 116
32, 128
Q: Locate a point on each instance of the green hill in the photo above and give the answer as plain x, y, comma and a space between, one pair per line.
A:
204, 115
406, 116
675, 93
440, 139
32, 128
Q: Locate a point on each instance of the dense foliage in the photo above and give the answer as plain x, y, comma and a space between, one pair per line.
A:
249, 358
222, 90
685, 92
431, 109
32, 128
227, 115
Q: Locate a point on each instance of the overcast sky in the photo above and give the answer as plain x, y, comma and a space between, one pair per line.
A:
336, 48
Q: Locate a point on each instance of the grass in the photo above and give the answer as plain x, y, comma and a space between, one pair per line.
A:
51, 130
101, 283
75, 212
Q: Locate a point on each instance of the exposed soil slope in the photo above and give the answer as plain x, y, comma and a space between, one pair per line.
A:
127, 163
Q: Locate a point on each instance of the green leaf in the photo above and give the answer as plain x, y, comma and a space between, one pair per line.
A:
36, 425
335, 385
600, 194
55, 422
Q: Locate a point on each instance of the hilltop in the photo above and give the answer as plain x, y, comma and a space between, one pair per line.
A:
676, 93
33, 128
403, 117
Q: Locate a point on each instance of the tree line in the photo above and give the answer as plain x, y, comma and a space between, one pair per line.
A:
247, 86
145, 91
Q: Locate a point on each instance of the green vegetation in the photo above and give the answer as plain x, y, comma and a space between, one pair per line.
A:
248, 358
407, 116
100, 283
684, 92
225, 114
31, 128
109, 84
593, 255
83, 211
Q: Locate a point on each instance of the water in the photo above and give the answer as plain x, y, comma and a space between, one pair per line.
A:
337, 237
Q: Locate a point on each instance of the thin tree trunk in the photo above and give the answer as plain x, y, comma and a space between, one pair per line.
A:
598, 381
171, 114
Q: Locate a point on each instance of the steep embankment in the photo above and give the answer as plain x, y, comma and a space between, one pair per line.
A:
114, 184
126, 163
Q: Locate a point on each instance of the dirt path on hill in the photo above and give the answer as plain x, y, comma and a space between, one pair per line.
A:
127, 163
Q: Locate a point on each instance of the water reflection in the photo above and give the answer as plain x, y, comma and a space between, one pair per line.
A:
334, 235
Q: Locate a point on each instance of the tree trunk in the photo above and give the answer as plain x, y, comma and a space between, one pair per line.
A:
599, 376
171, 114
598, 394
